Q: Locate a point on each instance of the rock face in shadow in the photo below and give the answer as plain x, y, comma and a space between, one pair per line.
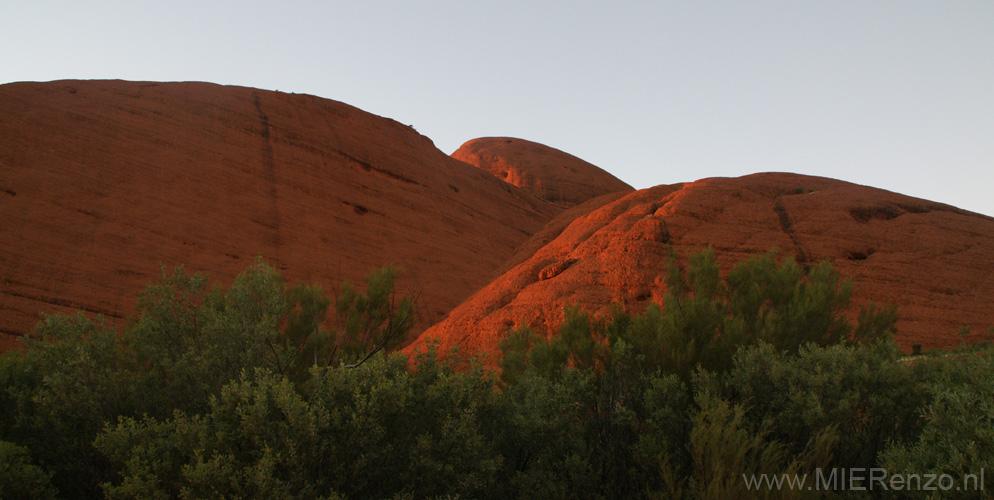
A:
932, 260
101, 181
552, 175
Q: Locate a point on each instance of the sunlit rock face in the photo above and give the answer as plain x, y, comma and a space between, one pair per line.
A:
932, 260
552, 175
103, 181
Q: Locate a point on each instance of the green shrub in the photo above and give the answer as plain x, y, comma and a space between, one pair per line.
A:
71, 378
373, 432
704, 321
866, 392
725, 450
19, 477
958, 434
246, 392
187, 343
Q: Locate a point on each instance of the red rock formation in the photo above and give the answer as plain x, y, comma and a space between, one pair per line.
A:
550, 174
100, 181
932, 260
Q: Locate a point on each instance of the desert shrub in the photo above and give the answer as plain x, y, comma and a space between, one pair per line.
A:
636, 414
377, 431
541, 438
266, 391
306, 333
71, 378
704, 320
248, 445
725, 450
190, 340
19, 477
576, 385
366, 323
866, 392
958, 434
373, 321
661, 449
187, 342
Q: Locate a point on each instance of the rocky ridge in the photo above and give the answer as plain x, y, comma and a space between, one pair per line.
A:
930, 259
101, 181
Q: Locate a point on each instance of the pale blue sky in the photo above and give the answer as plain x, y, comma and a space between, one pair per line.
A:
893, 94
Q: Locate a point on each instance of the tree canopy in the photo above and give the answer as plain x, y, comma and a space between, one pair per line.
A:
264, 390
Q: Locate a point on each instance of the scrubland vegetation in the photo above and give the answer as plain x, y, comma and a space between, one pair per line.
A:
262, 390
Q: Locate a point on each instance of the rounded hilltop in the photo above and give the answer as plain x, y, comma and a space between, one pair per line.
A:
931, 260
103, 181
548, 173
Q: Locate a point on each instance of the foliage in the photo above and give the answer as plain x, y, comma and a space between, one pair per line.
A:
190, 341
305, 330
70, 379
724, 448
373, 432
19, 477
704, 321
812, 387
262, 390
366, 323
866, 392
374, 321
542, 439
187, 343
958, 434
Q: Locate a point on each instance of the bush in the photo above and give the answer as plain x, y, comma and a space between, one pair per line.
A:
866, 392
958, 434
19, 477
634, 412
71, 378
187, 343
725, 449
704, 321
246, 393
373, 432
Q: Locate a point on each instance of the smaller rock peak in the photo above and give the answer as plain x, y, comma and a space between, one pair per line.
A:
548, 173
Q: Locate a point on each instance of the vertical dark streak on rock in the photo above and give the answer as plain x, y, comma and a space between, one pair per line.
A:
788, 228
270, 165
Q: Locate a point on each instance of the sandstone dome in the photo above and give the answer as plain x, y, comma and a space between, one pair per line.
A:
932, 260
552, 175
103, 181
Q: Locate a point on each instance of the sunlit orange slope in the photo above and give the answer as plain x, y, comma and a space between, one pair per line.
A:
932, 260
548, 173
